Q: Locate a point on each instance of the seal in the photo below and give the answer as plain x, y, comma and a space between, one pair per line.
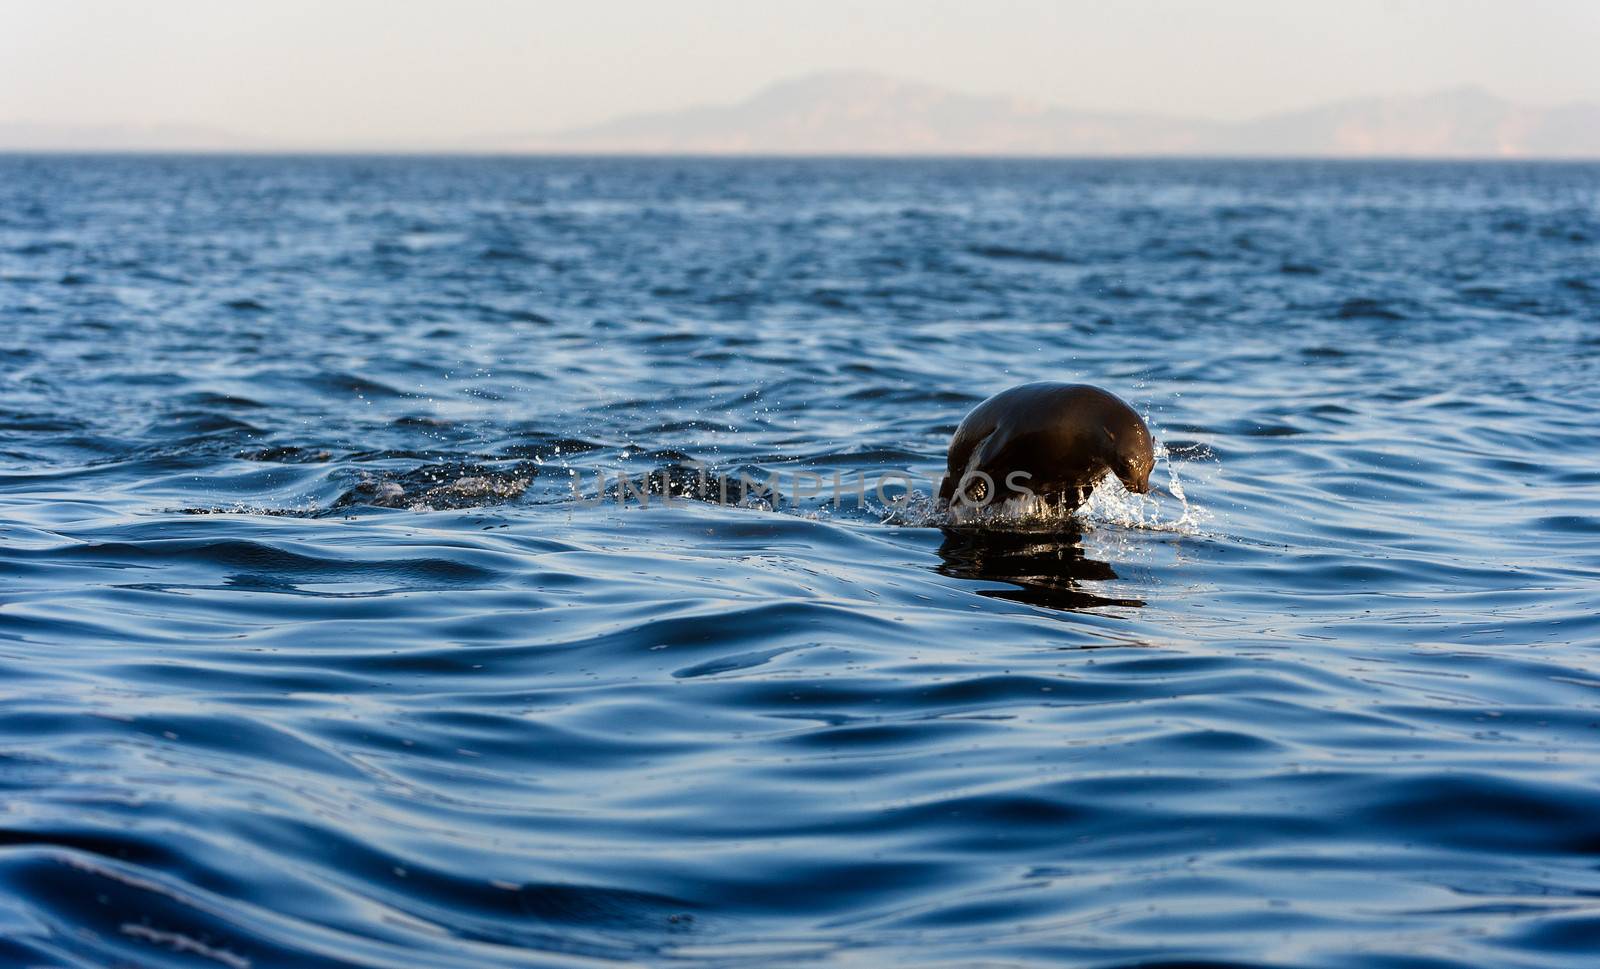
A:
1052, 440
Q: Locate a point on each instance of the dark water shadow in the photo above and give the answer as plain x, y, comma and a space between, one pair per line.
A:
1047, 569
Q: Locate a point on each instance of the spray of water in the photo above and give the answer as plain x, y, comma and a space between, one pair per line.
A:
1113, 504
1167, 509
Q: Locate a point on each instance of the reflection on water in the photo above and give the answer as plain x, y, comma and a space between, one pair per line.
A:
1044, 568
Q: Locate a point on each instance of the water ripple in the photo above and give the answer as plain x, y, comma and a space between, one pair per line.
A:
329, 635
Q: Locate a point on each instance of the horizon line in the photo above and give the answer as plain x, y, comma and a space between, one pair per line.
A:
490, 154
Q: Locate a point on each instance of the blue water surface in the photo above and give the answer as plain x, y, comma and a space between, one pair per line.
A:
328, 636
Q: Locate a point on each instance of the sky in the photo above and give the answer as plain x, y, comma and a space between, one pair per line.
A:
329, 73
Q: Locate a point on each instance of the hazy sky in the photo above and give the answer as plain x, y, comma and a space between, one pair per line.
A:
329, 72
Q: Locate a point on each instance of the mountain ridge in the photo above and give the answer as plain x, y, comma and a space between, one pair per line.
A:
869, 114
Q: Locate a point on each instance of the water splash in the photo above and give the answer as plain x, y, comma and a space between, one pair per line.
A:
1113, 504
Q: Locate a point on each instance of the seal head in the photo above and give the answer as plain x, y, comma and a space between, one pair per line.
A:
1056, 441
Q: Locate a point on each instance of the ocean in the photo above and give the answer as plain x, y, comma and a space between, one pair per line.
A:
352, 611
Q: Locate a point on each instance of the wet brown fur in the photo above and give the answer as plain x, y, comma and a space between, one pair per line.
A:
1065, 437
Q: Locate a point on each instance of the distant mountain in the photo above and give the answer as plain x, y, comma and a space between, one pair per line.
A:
869, 114
1465, 122
861, 113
